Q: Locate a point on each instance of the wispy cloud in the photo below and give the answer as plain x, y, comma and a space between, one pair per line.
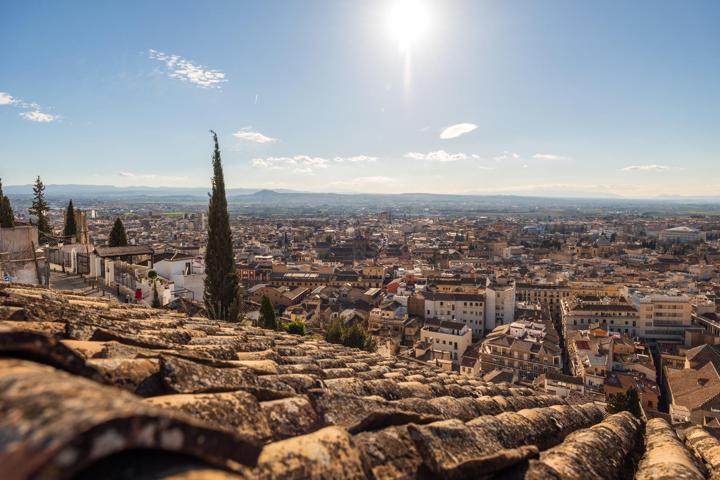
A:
183, 69
454, 131
299, 163
548, 156
440, 156
33, 111
355, 159
6, 98
38, 116
306, 163
649, 168
507, 156
256, 137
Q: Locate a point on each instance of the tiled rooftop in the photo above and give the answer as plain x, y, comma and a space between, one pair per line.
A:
95, 389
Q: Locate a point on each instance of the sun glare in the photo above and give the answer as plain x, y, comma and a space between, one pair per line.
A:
408, 21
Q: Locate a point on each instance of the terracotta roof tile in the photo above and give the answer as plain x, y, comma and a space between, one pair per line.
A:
88, 386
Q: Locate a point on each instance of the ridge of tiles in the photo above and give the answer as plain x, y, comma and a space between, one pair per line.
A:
91, 388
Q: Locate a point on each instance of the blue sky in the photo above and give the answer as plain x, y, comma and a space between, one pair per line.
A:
508, 96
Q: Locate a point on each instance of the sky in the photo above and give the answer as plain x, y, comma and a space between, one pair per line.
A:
554, 97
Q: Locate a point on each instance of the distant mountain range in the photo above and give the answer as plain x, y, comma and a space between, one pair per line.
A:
293, 198
113, 191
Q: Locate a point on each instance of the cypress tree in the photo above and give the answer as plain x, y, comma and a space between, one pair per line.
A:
7, 217
267, 314
40, 209
70, 229
156, 303
118, 237
221, 282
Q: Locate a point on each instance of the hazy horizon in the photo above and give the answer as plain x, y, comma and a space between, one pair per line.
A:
565, 99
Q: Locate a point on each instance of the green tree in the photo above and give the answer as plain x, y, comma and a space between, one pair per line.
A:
334, 333
7, 217
118, 237
296, 328
354, 337
70, 229
625, 402
221, 281
267, 314
40, 210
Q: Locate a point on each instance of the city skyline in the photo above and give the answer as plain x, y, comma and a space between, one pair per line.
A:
378, 97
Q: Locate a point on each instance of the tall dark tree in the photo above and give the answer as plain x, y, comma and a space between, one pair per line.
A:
70, 229
221, 280
156, 303
118, 237
7, 217
40, 210
334, 332
628, 401
267, 314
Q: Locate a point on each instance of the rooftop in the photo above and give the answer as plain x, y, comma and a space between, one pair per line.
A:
97, 389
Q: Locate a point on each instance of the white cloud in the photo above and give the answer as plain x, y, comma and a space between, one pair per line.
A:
507, 156
34, 114
255, 137
306, 163
454, 131
439, 156
648, 168
548, 156
355, 159
299, 163
6, 98
187, 71
38, 116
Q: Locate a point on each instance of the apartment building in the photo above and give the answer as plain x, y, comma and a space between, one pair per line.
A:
596, 353
527, 348
388, 319
614, 313
681, 235
590, 356
465, 308
694, 388
499, 302
546, 294
662, 315
444, 341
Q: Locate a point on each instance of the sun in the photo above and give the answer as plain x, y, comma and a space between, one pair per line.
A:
408, 21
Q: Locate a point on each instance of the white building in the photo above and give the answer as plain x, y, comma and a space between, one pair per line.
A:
185, 272
662, 315
465, 308
681, 235
499, 302
446, 338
